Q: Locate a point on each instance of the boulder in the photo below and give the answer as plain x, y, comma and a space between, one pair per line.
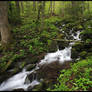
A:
30, 67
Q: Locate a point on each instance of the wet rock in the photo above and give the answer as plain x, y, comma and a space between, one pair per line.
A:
27, 81
20, 89
32, 76
30, 67
51, 71
38, 87
29, 88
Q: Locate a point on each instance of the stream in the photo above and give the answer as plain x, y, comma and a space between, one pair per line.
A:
20, 80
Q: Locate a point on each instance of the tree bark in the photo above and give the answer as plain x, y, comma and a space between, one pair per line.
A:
34, 6
18, 8
4, 24
50, 8
54, 7
22, 7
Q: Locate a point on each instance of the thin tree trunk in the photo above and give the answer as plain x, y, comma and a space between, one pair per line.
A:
50, 8
43, 8
18, 8
54, 7
63, 9
34, 6
88, 8
22, 7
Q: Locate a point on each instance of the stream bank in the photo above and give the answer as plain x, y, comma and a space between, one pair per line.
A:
75, 50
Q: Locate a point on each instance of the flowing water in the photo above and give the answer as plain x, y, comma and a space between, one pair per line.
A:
20, 80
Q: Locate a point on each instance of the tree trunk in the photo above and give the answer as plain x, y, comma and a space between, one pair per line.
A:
50, 8
53, 7
88, 7
18, 8
39, 10
4, 24
34, 6
22, 7
63, 13
43, 8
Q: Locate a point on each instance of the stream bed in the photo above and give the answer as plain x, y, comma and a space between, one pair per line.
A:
21, 79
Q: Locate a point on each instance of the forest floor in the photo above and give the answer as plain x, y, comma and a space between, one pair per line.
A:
30, 46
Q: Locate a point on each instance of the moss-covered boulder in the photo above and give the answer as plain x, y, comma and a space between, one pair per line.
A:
30, 67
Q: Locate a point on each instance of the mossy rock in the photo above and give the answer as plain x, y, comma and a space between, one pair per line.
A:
83, 54
30, 67
79, 27
20, 89
37, 87
60, 36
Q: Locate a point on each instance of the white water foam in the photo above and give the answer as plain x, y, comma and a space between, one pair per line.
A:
18, 81
60, 55
77, 36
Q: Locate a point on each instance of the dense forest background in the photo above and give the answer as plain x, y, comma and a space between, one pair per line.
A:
30, 29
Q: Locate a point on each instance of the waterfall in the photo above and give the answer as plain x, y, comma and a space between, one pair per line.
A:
19, 80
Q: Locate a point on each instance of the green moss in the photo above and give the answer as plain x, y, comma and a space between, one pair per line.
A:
79, 27
88, 40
